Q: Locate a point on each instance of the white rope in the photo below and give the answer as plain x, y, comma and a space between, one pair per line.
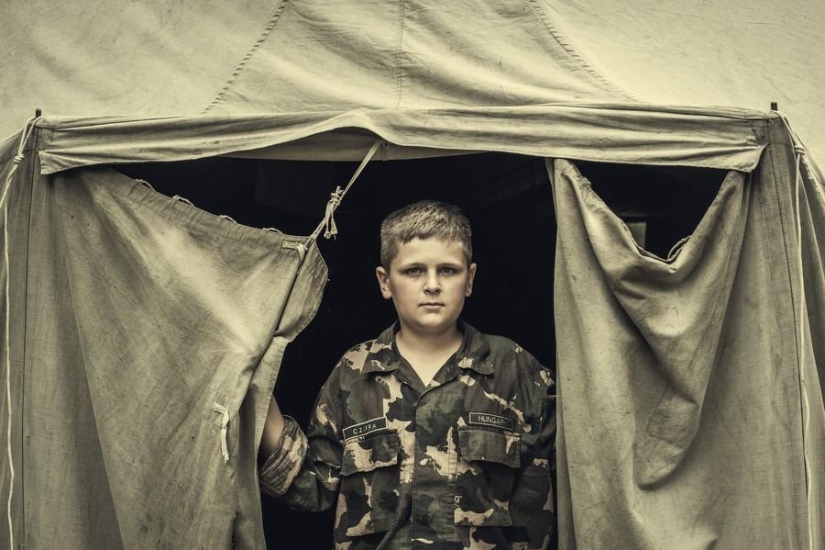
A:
18, 158
7, 352
328, 223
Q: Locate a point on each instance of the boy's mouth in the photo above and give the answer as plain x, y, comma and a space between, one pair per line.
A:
431, 304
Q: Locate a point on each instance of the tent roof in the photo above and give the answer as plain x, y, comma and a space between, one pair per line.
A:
340, 55
337, 64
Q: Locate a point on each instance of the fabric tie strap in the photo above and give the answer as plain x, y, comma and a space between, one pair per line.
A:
223, 423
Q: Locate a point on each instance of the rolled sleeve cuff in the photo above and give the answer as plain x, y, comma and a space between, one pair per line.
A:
282, 467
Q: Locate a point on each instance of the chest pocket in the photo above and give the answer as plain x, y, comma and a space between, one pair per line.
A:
484, 469
369, 478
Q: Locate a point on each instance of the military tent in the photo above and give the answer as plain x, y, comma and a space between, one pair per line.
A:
664, 260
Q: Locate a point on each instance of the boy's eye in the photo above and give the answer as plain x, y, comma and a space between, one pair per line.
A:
415, 271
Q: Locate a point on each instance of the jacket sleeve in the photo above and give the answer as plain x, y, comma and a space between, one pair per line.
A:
305, 472
532, 506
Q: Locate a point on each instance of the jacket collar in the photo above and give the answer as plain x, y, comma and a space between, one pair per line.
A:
473, 353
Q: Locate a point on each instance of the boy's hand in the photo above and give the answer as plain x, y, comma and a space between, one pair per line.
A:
273, 429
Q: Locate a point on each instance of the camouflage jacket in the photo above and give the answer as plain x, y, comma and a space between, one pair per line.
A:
462, 463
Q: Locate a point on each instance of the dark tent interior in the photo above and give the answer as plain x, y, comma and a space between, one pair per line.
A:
508, 199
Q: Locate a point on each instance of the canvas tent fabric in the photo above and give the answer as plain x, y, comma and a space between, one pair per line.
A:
673, 394
605, 133
148, 325
156, 58
400, 60
781, 207
430, 94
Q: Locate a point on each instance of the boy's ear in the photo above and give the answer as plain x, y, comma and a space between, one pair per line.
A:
383, 282
471, 273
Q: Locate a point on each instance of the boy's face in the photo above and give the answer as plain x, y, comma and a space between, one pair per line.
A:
428, 281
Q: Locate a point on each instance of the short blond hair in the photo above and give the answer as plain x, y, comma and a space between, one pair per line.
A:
423, 220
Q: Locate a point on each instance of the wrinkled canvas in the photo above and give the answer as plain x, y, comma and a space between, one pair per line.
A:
330, 55
671, 451
690, 407
150, 339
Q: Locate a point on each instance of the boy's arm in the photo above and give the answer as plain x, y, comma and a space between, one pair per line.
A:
273, 429
302, 471
282, 451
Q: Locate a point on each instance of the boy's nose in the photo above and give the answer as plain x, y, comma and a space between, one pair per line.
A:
432, 285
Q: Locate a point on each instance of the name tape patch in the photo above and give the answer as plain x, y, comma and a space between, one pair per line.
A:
365, 428
487, 419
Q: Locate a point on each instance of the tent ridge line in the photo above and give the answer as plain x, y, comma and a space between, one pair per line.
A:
565, 44
398, 72
62, 122
273, 22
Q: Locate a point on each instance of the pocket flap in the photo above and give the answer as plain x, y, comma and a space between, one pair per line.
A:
365, 455
490, 445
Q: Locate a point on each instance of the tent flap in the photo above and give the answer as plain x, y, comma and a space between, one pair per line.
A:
689, 397
151, 329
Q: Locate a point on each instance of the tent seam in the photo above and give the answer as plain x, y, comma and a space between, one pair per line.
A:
35, 145
567, 47
399, 74
23, 149
799, 153
273, 22
789, 265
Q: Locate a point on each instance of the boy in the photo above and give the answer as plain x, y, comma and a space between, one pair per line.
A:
433, 435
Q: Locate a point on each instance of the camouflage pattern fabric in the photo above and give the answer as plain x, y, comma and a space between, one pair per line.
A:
462, 463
